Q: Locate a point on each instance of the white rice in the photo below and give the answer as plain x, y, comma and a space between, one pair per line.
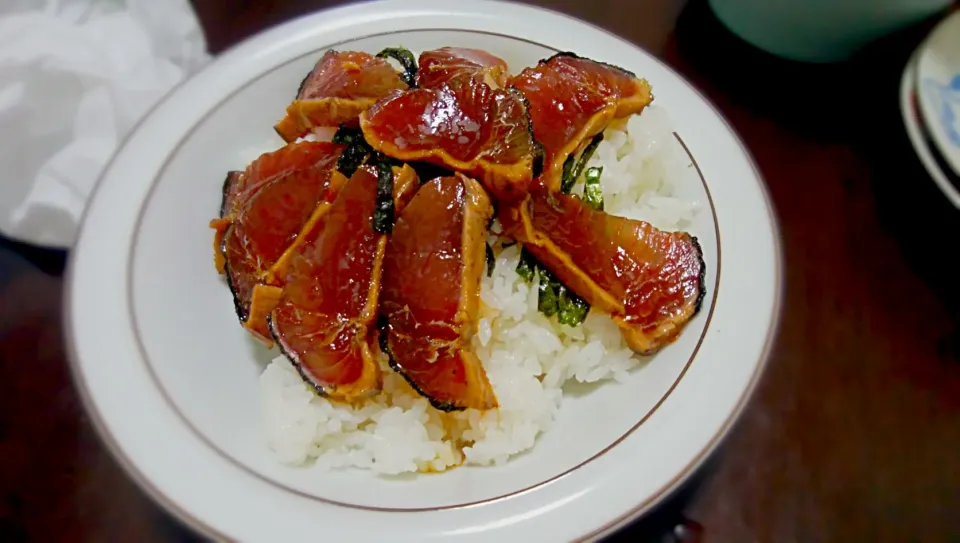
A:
527, 357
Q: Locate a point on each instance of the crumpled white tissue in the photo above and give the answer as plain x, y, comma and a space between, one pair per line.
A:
75, 77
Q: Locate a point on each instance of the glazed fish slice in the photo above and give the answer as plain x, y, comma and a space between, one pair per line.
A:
464, 126
441, 66
648, 280
257, 245
239, 187
571, 100
431, 288
324, 319
337, 90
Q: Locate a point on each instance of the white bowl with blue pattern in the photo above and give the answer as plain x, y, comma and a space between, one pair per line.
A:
938, 88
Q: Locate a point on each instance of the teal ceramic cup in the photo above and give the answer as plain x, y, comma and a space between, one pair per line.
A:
819, 30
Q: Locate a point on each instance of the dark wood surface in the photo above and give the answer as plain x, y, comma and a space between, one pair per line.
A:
854, 434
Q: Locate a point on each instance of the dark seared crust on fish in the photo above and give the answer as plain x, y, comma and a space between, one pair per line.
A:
237, 303
537, 146
293, 358
571, 54
232, 178
439, 405
702, 278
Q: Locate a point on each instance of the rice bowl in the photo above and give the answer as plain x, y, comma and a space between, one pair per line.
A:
400, 432
174, 386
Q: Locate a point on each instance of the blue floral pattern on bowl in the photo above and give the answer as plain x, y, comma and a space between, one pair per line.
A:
947, 99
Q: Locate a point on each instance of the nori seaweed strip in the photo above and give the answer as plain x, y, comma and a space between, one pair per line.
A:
549, 292
586, 155
573, 168
527, 265
406, 59
554, 298
567, 180
491, 260
356, 153
592, 192
352, 158
572, 309
346, 135
383, 212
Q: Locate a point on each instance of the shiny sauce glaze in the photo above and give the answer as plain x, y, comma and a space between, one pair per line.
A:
649, 280
324, 319
431, 291
239, 187
441, 66
337, 90
464, 125
571, 99
268, 227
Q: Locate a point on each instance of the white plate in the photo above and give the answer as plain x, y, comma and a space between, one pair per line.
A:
919, 135
938, 80
171, 380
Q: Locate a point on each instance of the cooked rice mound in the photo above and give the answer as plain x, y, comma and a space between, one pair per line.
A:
527, 357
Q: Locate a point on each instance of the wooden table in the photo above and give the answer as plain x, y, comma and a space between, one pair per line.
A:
854, 434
